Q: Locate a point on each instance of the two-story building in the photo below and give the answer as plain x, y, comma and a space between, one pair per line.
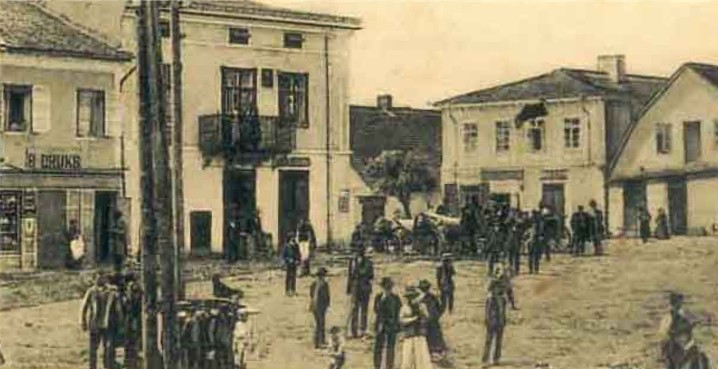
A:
669, 158
266, 120
547, 138
60, 133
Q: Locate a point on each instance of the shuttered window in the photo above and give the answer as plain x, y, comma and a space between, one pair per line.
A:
294, 98
18, 107
91, 113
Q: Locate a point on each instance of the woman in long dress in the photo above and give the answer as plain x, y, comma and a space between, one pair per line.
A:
413, 318
662, 232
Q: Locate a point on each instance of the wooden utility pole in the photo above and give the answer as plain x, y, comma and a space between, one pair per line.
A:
149, 253
177, 143
163, 188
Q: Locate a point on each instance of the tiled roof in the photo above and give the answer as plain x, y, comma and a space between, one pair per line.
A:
708, 71
27, 28
564, 83
254, 8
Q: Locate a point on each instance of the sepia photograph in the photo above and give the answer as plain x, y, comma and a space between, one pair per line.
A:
358, 184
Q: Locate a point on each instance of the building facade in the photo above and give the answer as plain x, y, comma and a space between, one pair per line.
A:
60, 137
544, 139
669, 158
266, 121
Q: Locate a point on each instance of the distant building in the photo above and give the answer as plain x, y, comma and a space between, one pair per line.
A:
547, 138
60, 129
669, 158
385, 127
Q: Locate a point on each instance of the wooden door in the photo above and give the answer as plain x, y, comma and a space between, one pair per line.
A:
553, 196
677, 205
200, 232
293, 200
53, 248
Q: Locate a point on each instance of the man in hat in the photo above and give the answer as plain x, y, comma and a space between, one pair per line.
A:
597, 227
537, 242
673, 324
434, 335
320, 301
362, 275
445, 280
386, 309
500, 292
100, 312
291, 257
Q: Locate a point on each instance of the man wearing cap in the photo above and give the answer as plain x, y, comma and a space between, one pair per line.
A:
434, 335
320, 301
445, 280
499, 293
362, 276
386, 309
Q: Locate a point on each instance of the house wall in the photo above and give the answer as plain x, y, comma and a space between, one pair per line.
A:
583, 165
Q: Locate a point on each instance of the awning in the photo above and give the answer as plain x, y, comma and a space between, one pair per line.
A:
530, 111
104, 179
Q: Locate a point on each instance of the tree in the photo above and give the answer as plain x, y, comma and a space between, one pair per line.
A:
400, 174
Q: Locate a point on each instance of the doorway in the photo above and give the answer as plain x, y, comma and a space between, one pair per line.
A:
372, 208
52, 245
105, 204
552, 195
634, 197
200, 234
677, 205
692, 141
240, 203
293, 201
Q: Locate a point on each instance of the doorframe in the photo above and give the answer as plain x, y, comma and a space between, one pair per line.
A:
281, 211
680, 183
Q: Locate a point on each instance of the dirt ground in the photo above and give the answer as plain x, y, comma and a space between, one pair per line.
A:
588, 312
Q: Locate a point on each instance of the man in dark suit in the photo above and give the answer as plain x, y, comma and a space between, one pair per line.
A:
362, 276
536, 244
434, 334
291, 257
580, 229
386, 308
445, 280
320, 300
100, 313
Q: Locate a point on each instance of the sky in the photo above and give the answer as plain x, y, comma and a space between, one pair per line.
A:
422, 51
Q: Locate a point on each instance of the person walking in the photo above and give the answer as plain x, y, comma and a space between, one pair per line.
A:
445, 280
536, 242
291, 257
320, 300
500, 294
387, 306
662, 229
362, 278
98, 307
644, 224
307, 244
434, 334
597, 228
413, 318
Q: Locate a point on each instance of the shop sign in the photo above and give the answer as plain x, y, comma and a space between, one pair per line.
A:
52, 160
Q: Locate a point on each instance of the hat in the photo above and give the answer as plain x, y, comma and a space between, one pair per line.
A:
675, 298
411, 292
321, 272
446, 256
424, 285
386, 282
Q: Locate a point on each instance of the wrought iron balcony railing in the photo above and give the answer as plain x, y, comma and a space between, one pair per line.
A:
234, 137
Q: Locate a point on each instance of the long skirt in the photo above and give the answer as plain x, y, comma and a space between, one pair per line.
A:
415, 353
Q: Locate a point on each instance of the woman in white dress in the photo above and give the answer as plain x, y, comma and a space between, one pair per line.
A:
413, 318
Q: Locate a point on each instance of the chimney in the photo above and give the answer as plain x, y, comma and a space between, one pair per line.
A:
384, 102
614, 66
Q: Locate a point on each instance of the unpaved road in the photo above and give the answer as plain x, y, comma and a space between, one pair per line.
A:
579, 313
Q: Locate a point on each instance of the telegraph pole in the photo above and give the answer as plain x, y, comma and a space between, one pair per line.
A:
163, 188
177, 143
149, 253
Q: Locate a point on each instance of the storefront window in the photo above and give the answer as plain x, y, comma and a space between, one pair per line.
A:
10, 221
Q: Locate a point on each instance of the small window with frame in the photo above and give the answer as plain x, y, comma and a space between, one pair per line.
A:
471, 137
663, 138
239, 36
18, 110
293, 40
91, 113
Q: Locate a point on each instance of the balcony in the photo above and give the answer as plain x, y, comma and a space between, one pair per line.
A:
243, 140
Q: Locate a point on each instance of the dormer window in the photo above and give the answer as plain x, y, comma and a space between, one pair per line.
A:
293, 40
239, 36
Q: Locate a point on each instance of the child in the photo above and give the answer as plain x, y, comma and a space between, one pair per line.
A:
242, 337
336, 349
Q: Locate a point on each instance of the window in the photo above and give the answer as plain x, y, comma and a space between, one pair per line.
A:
572, 133
293, 98
663, 138
164, 29
90, 113
293, 40
239, 91
18, 113
503, 136
535, 135
268, 78
471, 136
239, 36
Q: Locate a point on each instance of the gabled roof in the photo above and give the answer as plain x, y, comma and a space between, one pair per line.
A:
254, 8
564, 83
27, 28
708, 72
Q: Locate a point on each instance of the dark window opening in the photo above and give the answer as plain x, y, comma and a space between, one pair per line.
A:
164, 29
293, 98
18, 114
239, 36
91, 113
293, 40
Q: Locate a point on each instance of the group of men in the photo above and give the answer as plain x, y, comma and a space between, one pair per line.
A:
111, 314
